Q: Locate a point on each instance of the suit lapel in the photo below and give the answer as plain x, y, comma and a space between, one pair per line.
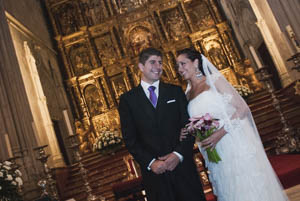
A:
162, 95
144, 102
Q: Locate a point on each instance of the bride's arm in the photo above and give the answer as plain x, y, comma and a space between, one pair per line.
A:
241, 111
212, 140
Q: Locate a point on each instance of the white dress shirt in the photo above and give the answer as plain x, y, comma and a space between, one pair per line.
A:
146, 85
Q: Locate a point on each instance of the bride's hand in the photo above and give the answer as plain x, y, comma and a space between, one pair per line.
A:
212, 140
183, 134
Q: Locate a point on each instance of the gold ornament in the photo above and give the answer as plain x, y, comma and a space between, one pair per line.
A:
297, 88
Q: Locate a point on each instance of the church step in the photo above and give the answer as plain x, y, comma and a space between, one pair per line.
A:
98, 187
81, 195
104, 169
103, 172
94, 157
98, 166
257, 95
261, 96
101, 177
267, 104
291, 115
286, 110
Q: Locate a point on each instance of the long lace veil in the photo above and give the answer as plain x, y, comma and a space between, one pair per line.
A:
220, 85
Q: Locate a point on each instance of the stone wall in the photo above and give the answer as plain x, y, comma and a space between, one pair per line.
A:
32, 93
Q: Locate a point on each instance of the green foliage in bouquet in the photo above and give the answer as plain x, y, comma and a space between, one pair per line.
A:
243, 91
107, 142
10, 182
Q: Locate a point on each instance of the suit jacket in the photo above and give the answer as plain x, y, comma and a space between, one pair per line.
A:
150, 132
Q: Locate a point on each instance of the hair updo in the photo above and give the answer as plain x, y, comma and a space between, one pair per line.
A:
192, 54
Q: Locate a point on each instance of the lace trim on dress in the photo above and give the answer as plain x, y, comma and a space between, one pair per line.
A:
231, 125
226, 98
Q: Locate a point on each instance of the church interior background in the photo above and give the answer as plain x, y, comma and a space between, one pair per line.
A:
65, 63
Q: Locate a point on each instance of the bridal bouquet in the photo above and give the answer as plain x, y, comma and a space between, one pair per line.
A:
203, 127
10, 182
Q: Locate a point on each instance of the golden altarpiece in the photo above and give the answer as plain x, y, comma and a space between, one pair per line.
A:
99, 42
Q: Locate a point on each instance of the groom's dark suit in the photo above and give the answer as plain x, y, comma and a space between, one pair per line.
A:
151, 132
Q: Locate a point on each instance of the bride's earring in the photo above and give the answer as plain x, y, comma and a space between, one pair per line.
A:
198, 73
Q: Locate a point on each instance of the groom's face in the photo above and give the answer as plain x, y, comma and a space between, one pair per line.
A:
152, 69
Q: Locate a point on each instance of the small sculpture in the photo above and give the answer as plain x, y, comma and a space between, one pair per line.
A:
247, 73
85, 138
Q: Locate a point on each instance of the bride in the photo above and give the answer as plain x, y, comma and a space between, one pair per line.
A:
244, 172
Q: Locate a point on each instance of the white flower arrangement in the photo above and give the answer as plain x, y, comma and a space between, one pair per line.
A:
243, 91
107, 140
10, 182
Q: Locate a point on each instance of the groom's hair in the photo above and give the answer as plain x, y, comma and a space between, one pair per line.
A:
148, 52
192, 54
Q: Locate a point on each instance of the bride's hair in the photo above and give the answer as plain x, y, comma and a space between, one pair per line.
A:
192, 54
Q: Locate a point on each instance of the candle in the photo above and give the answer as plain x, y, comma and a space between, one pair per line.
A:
255, 57
10, 155
67, 120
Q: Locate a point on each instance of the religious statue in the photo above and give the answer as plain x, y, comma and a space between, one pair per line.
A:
86, 138
129, 5
106, 50
93, 12
201, 16
297, 88
68, 20
120, 88
81, 63
140, 38
175, 25
247, 73
93, 100
217, 57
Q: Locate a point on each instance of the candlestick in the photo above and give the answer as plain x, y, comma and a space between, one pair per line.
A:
286, 141
67, 120
255, 57
47, 181
293, 37
296, 60
74, 145
10, 155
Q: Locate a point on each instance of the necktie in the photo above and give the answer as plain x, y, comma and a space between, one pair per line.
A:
153, 97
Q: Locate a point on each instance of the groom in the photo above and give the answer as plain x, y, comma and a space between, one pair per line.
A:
152, 116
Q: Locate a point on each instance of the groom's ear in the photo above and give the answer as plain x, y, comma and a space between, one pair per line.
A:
141, 67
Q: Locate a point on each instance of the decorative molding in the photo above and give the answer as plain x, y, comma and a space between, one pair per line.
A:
21, 28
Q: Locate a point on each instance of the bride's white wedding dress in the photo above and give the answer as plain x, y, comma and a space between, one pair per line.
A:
245, 173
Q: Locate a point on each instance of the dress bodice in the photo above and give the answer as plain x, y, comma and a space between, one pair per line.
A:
212, 103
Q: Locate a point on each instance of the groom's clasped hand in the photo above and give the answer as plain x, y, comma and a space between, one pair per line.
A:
165, 163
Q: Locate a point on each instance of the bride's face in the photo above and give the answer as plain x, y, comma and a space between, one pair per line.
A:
186, 67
